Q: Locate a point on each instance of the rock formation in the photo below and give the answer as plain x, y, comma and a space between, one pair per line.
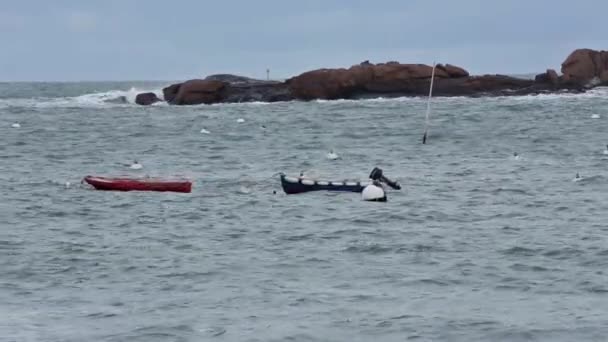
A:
395, 79
195, 92
549, 77
582, 69
453, 71
146, 99
170, 92
584, 65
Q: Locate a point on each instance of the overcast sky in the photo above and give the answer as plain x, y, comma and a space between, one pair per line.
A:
69, 40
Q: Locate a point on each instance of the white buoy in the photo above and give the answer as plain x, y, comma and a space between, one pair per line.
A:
606, 150
373, 193
67, 185
595, 116
204, 131
16, 125
136, 166
240, 120
332, 155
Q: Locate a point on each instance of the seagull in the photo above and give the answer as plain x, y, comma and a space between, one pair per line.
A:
578, 178
606, 150
240, 120
136, 165
515, 156
595, 116
204, 131
332, 155
16, 125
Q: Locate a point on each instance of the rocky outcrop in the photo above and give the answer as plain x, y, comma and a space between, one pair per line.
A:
480, 85
366, 77
170, 92
146, 99
582, 69
264, 92
549, 77
226, 88
453, 71
487, 85
328, 83
245, 89
584, 65
553, 77
197, 92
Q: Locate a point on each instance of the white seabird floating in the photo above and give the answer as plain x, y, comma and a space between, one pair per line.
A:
332, 155
136, 165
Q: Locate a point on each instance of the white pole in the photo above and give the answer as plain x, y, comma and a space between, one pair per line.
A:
428, 105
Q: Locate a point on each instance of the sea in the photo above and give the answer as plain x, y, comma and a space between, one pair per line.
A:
480, 244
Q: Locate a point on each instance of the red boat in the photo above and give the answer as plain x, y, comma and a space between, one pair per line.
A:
142, 184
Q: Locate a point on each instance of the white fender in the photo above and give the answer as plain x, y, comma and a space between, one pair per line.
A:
373, 193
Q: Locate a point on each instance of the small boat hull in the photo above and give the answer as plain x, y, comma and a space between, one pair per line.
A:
292, 185
131, 184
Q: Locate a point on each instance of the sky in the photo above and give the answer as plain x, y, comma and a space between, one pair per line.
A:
79, 40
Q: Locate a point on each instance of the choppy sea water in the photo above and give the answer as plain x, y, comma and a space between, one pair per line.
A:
478, 246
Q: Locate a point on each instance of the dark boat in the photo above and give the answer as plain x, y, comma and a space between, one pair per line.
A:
297, 185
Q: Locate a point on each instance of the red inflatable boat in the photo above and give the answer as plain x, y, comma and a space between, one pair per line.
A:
142, 184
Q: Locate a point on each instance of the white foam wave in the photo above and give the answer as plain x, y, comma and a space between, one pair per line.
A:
599, 92
391, 99
102, 99
239, 104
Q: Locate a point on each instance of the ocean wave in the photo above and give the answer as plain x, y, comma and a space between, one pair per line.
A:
251, 103
99, 99
380, 99
599, 92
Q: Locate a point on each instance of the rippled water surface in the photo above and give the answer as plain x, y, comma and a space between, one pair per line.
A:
478, 246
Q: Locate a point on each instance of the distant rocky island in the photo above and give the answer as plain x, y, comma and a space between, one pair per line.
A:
581, 71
